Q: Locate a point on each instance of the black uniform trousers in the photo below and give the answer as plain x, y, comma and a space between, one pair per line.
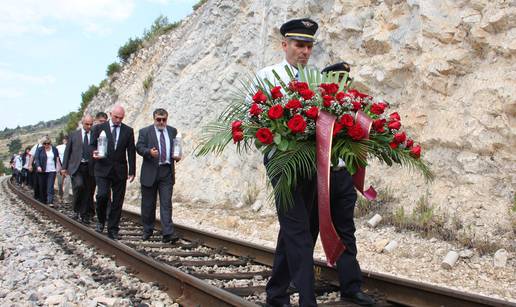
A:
83, 186
293, 258
106, 186
343, 197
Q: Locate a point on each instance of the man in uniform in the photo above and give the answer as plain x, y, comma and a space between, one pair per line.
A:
112, 171
293, 259
342, 202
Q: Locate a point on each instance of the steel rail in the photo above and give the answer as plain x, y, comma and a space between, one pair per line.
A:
183, 288
396, 289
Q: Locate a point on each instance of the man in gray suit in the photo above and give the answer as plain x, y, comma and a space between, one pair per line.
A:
155, 144
77, 163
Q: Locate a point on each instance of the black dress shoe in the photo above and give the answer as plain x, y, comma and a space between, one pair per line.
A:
171, 238
85, 220
359, 298
113, 235
146, 236
99, 228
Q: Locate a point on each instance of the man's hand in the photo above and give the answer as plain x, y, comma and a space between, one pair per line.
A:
130, 178
30, 168
95, 155
64, 173
154, 152
39, 169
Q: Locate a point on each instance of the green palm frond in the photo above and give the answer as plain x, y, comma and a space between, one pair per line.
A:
288, 168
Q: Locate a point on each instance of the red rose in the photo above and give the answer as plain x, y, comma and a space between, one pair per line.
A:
276, 92
395, 116
356, 105
394, 125
416, 151
329, 88
236, 125
237, 136
327, 100
356, 132
357, 94
346, 120
337, 127
301, 86
409, 143
378, 125
377, 108
265, 136
259, 97
340, 96
275, 112
393, 145
400, 137
293, 104
255, 110
313, 112
307, 94
297, 124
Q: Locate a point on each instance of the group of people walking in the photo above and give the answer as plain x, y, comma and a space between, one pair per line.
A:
108, 172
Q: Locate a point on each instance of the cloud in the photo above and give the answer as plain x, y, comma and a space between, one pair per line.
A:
10, 93
15, 77
36, 16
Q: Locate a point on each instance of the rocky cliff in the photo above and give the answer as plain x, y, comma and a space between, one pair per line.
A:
447, 66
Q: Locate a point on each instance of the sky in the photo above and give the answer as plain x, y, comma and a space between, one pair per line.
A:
53, 50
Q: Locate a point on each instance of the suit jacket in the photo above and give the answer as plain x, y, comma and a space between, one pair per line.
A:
147, 139
117, 159
73, 153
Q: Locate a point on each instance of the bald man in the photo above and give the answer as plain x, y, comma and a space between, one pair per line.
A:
114, 169
78, 164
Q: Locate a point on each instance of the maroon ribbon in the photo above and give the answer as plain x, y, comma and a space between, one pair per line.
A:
331, 243
365, 123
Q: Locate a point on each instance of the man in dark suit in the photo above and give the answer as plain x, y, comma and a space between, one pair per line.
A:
78, 164
111, 171
155, 145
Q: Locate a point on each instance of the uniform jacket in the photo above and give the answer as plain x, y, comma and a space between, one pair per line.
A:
119, 159
147, 139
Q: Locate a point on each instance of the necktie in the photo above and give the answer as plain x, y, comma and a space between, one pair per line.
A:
115, 135
85, 144
163, 147
297, 75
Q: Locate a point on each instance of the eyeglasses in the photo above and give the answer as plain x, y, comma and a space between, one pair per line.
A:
161, 119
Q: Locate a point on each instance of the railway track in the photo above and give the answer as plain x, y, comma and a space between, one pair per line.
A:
205, 269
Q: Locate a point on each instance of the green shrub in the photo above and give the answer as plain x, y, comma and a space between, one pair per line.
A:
113, 68
147, 83
199, 4
132, 46
160, 26
14, 145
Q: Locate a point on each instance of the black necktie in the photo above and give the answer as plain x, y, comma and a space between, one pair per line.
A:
115, 135
85, 147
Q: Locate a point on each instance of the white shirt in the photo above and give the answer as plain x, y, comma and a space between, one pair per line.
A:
51, 166
167, 144
61, 149
266, 73
18, 162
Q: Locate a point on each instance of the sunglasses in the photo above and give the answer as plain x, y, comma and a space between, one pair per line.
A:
46, 143
160, 119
